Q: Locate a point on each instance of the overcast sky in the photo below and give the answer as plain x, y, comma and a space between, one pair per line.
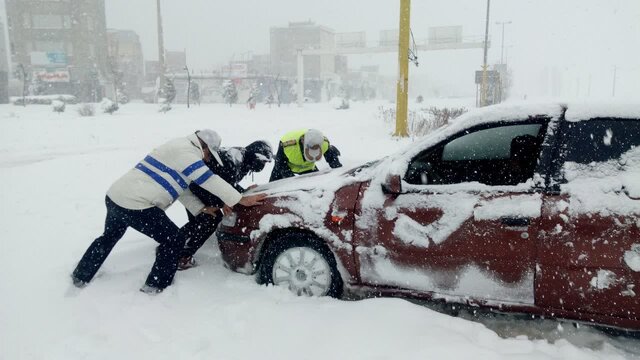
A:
582, 40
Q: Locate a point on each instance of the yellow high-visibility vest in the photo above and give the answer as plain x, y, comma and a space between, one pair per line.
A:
295, 158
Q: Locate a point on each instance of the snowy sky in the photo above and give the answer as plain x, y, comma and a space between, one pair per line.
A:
582, 39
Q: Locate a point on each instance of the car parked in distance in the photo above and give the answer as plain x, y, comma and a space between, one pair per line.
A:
525, 208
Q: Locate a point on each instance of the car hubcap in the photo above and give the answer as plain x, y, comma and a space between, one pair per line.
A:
303, 270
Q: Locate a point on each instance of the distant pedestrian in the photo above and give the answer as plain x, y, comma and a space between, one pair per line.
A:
251, 102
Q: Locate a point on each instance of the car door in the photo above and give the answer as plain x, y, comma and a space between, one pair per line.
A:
466, 221
589, 256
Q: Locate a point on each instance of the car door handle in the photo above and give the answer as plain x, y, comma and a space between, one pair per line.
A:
515, 221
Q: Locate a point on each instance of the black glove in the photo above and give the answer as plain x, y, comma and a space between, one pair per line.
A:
331, 156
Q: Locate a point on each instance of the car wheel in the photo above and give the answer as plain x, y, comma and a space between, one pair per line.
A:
301, 264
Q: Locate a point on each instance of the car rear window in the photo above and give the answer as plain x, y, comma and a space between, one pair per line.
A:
600, 140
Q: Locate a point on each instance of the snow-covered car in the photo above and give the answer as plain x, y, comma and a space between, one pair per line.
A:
525, 208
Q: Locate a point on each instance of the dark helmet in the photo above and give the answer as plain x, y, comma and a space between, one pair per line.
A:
257, 154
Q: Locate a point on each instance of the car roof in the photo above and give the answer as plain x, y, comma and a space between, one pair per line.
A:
593, 110
518, 111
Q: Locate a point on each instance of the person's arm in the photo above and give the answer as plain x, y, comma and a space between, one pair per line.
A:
202, 176
207, 198
332, 157
191, 202
280, 168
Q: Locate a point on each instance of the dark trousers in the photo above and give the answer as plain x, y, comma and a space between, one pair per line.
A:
152, 222
198, 230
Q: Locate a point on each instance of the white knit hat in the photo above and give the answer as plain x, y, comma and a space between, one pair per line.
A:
213, 140
312, 138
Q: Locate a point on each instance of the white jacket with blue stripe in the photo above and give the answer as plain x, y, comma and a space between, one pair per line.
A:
164, 176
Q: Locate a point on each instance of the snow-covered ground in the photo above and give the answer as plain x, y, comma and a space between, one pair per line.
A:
54, 172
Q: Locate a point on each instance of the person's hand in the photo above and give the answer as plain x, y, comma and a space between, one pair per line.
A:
252, 200
226, 210
211, 210
252, 186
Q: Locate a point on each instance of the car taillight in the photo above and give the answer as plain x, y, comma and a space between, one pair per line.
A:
230, 219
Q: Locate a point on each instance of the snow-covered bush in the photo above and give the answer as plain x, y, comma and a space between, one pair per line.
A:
58, 106
43, 99
167, 93
165, 107
122, 97
108, 106
229, 92
86, 110
339, 103
422, 121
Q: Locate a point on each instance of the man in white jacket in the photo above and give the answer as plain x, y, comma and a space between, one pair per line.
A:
138, 200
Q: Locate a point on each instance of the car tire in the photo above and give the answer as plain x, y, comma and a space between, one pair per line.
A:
303, 263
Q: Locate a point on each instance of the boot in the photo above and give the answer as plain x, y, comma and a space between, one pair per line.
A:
186, 262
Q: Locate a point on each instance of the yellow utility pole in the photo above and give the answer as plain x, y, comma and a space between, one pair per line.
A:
403, 67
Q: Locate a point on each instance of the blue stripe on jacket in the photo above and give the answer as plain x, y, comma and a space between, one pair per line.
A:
193, 167
204, 177
164, 168
159, 179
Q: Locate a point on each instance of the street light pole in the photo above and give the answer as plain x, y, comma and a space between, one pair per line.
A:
188, 85
160, 46
24, 84
483, 91
503, 23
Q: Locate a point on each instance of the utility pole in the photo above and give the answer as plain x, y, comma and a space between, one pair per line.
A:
503, 23
615, 71
160, 47
23, 72
483, 90
300, 76
402, 96
188, 85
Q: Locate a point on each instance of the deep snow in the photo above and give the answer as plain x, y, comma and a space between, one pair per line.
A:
55, 170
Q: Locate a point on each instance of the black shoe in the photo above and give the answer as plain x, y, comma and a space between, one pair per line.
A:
150, 290
78, 283
186, 262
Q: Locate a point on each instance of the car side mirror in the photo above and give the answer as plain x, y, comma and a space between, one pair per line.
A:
392, 184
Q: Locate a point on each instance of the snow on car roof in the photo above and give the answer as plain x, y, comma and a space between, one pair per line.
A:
587, 111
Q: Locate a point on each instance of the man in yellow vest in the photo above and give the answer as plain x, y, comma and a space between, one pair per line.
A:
298, 152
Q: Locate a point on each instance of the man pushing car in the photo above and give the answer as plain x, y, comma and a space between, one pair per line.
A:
140, 197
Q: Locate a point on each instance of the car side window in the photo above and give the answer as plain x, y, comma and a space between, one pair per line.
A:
499, 155
600, 140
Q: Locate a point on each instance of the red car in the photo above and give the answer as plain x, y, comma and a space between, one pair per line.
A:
532, 209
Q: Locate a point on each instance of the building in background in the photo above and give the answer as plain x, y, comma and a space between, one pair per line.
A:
4, 68
62, 44
285, 41
301, 35
126, 61
151, 70
175, 61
